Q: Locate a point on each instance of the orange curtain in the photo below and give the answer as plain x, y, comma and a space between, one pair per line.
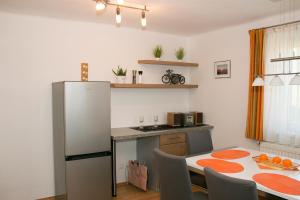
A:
254, 129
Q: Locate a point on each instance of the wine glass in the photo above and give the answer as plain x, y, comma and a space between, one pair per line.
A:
141, 120
155, 120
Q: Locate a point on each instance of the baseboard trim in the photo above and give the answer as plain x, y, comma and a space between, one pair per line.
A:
122, 184
63, 197
60, 197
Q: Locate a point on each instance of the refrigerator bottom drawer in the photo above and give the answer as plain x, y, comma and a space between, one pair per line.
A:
89, 179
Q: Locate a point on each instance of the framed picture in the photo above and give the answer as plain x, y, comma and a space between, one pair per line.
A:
223, 69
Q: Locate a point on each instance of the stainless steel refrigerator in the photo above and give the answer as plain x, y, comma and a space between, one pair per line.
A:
81, 138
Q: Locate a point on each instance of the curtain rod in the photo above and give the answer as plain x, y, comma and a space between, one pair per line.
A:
287, 23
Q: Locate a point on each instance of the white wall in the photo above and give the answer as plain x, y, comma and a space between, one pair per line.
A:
224, 101
128, 105
38, 51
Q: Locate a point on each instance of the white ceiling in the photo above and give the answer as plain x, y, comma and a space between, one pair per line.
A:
182, 17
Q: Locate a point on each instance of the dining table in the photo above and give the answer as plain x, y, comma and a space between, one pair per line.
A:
239, 162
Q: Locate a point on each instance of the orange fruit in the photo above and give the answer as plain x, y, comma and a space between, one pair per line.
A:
287, 163
263, 157
276, 160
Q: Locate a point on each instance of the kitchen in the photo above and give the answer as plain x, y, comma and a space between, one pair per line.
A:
46, 42
82, 128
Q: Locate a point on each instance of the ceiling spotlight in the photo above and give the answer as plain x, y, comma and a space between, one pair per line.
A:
143, 19
118, 15
100, 5
120, 1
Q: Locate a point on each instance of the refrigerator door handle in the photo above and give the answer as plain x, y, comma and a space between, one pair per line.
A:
87, 156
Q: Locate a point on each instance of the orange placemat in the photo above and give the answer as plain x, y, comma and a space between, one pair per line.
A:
230, 154
221, 165
279, 183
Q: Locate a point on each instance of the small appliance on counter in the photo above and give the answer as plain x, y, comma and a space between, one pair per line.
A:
188, 119
175, 119
184, 119
198, 117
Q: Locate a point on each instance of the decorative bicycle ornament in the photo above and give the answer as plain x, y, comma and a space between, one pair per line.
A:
172, 78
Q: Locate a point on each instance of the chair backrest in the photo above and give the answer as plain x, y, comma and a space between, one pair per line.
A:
199, 142
175, 183
221, 187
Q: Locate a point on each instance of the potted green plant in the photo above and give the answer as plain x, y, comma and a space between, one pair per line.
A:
120, 74
180, 53
157, 52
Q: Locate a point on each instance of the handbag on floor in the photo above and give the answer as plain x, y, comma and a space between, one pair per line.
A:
137, 174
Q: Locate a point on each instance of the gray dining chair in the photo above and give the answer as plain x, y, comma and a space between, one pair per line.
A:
175, 183
199, 142
221, 187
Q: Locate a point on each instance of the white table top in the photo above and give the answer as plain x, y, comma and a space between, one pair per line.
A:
250, 169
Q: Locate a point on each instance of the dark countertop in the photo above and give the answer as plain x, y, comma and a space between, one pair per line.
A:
127, 133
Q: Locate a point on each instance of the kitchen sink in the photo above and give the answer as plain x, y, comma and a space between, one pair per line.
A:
160, 127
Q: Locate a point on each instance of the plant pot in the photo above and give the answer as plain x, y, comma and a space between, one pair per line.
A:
121, 79
157, 58
179, 60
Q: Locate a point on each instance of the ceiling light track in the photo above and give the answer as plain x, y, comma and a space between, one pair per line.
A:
141, 7
101, 4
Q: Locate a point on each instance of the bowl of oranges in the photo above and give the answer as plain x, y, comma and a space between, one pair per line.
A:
275, 162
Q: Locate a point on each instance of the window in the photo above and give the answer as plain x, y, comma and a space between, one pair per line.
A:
282, 103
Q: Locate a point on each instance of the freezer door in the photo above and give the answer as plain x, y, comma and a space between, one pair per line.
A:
87, 117
89, 179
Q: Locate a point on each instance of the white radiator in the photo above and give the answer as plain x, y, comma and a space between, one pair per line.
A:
282, 150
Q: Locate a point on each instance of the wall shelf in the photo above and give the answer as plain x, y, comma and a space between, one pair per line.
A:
149, 86
169, 63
